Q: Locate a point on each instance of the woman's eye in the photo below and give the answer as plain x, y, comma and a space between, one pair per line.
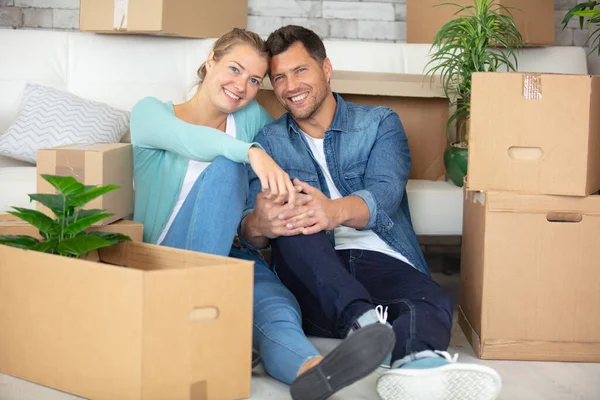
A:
234, 69
255, 81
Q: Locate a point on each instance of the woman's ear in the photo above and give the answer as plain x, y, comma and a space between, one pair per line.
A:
210, 60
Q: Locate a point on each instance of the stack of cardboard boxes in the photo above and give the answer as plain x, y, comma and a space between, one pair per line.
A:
531, 246
146, 322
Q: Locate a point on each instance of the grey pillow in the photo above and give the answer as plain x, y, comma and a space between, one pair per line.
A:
49, 117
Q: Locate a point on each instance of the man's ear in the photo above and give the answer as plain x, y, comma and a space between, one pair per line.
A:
210, 60
327, 69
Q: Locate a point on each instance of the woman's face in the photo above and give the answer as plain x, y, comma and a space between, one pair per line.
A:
234, 80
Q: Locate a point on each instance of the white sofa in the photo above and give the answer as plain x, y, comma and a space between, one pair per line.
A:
121, 69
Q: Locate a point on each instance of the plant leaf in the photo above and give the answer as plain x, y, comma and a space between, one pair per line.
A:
112, 236
82, 224
55, 202
46, 247
38, 219
82, 244
66, 185
88, 195
21, 242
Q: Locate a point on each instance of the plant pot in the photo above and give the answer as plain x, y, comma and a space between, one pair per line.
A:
455, 161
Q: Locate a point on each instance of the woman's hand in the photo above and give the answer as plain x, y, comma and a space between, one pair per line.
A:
275, 181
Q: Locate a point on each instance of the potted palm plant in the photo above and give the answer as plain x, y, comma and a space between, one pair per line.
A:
483, 37
65, 234
586, 10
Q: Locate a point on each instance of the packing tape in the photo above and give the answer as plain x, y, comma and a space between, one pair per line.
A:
120, 14
71, 163
532, 86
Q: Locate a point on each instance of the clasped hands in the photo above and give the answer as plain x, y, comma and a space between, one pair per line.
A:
312, 212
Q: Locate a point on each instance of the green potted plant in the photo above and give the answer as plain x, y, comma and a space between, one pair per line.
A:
66, 234
586, 10
483, 37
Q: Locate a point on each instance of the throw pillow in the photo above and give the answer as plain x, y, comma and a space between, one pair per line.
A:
49, 117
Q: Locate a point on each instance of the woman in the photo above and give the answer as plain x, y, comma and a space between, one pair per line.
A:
191, 186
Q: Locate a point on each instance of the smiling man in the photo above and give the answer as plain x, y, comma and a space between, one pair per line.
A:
350, 255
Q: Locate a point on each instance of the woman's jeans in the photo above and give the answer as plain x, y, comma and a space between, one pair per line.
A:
207, 222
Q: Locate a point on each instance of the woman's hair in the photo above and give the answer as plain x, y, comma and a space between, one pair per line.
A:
228, 41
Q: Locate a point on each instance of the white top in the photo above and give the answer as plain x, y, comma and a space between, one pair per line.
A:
345, 237
195, 168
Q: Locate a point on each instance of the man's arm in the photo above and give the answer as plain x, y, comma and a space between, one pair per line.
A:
385, 180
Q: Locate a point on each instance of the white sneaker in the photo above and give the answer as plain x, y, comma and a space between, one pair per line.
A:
453, 381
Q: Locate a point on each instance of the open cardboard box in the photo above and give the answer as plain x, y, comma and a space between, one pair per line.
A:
147, 322
419, 101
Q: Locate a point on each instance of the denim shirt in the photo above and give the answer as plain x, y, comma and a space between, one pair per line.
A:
367, 153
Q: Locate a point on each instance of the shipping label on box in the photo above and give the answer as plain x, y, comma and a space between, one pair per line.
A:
530, 276
419, 101
98, 164
535, 133
534, 19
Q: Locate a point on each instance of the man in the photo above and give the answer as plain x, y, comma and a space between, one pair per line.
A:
350, 255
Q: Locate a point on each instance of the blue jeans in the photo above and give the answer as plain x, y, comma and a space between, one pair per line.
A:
207, 222
334, 288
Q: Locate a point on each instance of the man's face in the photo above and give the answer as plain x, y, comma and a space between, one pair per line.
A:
300, 83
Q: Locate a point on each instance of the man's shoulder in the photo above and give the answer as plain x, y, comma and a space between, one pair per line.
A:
362, 116
276, 127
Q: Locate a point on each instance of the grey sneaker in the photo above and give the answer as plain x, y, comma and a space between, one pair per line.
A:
356, 357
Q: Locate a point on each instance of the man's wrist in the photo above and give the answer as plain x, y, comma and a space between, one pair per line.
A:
251, 231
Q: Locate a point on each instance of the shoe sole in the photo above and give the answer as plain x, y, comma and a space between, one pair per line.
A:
449, 382
356, 357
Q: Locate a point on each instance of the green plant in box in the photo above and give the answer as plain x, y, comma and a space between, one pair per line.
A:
586, 10
483, 37
66, 234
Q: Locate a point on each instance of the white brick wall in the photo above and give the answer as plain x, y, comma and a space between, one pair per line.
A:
374, 20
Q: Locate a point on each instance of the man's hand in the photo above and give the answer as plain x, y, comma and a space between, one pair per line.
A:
322, 213
325, 214
270, 220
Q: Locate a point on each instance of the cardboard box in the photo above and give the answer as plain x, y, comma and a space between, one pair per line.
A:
530, 276
92, 164
180, 18
534, 19
535, 133
419, 101
17, 227
173, 325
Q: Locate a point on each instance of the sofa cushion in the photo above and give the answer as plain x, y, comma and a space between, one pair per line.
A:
49, 117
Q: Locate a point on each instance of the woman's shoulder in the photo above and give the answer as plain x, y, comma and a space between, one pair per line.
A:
150, 104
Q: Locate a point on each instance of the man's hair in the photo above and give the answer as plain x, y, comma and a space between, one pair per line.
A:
283, 38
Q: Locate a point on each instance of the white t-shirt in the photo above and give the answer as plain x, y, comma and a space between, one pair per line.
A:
195, 168
349, 238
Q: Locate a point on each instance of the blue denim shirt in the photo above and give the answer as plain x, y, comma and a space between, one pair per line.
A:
367, 153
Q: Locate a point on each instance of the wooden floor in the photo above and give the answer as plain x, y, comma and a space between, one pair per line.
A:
521, 380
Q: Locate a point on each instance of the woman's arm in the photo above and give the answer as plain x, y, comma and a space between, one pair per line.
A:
154, 125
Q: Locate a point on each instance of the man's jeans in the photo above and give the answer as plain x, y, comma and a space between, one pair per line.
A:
334, 288
207, 223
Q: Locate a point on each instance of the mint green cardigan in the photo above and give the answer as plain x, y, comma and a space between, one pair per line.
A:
162, 147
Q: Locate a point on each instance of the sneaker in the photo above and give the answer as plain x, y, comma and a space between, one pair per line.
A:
439, 378
355, 358
377, 316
